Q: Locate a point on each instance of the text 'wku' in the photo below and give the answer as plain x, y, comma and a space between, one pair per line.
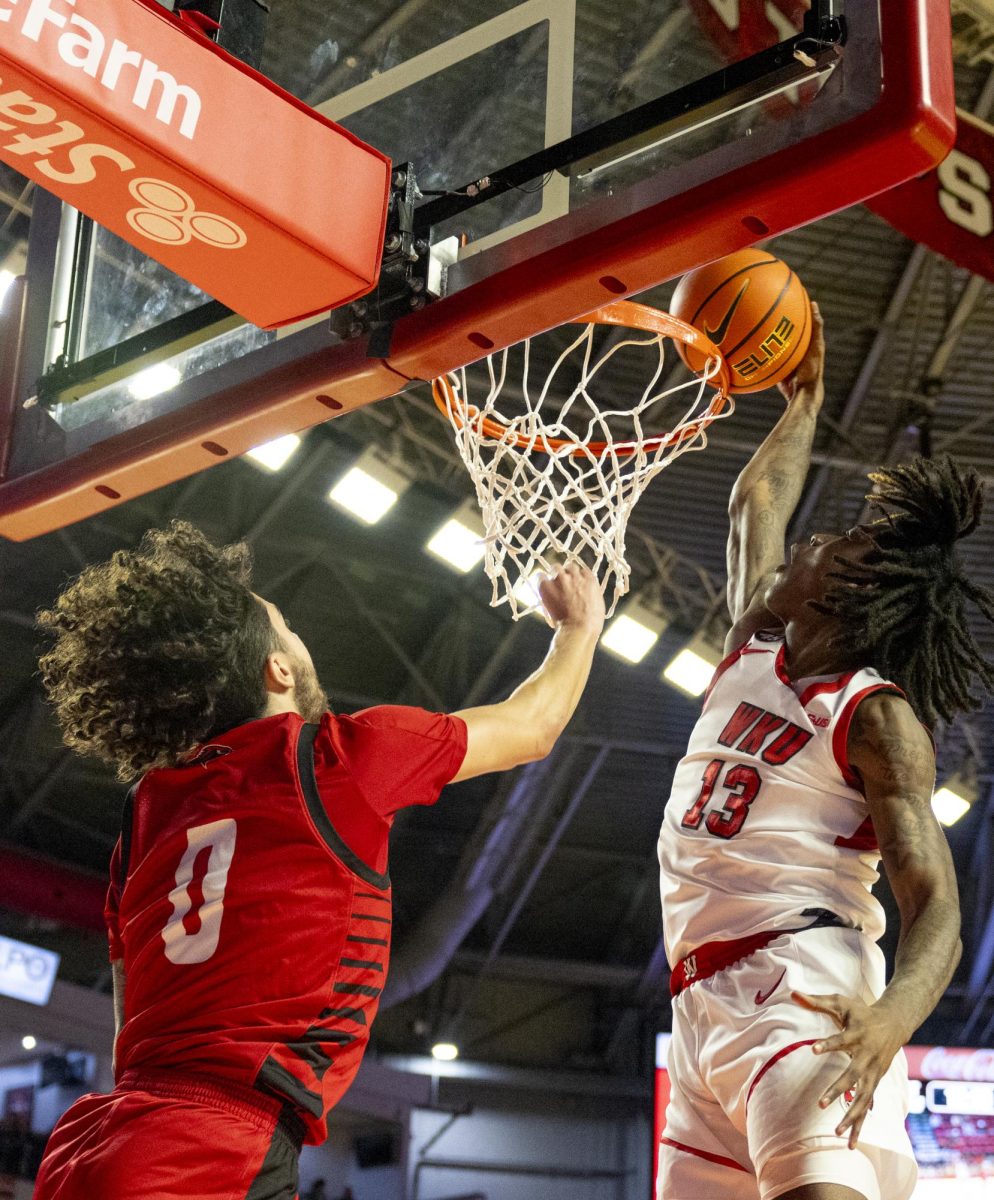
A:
750, 728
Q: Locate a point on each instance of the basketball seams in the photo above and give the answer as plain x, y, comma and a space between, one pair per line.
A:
764, 319
770, 262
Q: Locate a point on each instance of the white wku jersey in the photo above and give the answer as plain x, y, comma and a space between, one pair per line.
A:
766, 819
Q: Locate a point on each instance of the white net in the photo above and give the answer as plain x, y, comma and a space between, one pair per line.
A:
558, 471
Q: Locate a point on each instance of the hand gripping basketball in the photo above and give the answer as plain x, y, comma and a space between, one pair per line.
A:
811, 370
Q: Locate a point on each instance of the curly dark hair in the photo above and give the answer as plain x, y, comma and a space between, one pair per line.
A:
156, 650
906, 616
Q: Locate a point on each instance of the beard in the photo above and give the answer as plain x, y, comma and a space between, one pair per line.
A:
311, 698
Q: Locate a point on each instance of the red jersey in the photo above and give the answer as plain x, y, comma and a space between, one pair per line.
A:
250, 900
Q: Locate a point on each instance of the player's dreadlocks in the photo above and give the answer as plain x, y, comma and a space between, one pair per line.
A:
156, 650
906, 616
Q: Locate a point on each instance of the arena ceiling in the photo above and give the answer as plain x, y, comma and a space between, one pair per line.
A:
561, 965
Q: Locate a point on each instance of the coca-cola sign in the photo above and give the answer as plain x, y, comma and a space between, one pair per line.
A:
950, 1062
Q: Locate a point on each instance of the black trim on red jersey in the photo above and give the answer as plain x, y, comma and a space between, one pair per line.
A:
309, 1047
368, 941
356, 989
365, 963
350, 1014
277, 1079
329, 835
127, 821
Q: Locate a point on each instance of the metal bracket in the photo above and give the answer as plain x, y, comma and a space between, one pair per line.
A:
405, 273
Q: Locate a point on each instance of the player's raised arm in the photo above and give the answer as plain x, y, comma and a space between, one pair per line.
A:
769, 487
895, 761
525, 726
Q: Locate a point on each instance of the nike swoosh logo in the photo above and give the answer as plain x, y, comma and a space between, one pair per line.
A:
717, 335
762, 997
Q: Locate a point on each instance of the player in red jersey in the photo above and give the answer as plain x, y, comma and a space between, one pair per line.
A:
807, 765
249, 909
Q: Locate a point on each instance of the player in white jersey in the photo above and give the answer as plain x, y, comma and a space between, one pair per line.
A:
809, 762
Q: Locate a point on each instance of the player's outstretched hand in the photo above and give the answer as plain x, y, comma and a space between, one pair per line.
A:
871, 1038
573, 597
809, 374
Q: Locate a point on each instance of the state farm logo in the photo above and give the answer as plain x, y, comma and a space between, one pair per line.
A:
58, 149
168, 215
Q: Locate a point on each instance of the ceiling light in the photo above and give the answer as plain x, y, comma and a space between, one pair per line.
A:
153, 381
632, 633
460, 541
527, 596
6, 279
28, 1042
276, 454
369, 489
953, 799
693, 668
445, 1051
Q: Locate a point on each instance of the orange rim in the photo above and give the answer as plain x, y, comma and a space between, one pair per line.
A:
630, 315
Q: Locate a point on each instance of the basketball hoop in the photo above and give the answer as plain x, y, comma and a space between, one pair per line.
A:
560, 484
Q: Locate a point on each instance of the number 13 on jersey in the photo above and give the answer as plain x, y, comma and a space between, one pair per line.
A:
741, 782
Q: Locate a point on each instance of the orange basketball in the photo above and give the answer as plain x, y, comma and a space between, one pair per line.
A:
755, 310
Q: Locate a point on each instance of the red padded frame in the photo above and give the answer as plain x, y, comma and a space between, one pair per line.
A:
552, 280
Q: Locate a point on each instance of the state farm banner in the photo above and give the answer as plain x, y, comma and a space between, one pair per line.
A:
142, 123
951, 209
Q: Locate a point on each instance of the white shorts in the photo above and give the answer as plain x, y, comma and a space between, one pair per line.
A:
743, 1119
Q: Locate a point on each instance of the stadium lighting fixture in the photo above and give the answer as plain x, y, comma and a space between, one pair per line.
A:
459, 542
154, 380
692, 669
953, 799
445, 1051
369, 489
29, 1042
632, 632
274, 455
527, 595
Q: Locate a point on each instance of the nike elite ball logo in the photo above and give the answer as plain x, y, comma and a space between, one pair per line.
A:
717, 335
762, 997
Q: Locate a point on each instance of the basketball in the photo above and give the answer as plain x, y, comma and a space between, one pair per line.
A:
755, 310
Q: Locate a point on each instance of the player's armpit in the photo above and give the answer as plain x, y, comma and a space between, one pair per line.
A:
755, 617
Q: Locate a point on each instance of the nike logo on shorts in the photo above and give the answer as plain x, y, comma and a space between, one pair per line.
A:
717, 335
762, 997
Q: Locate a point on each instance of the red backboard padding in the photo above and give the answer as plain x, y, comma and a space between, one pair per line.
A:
142, 123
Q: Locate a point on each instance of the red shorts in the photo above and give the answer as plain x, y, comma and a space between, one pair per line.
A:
156, 1137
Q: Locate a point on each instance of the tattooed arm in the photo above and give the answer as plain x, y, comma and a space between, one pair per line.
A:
766, 493
893, 756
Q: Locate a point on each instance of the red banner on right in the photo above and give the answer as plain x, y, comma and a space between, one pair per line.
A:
951, 209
